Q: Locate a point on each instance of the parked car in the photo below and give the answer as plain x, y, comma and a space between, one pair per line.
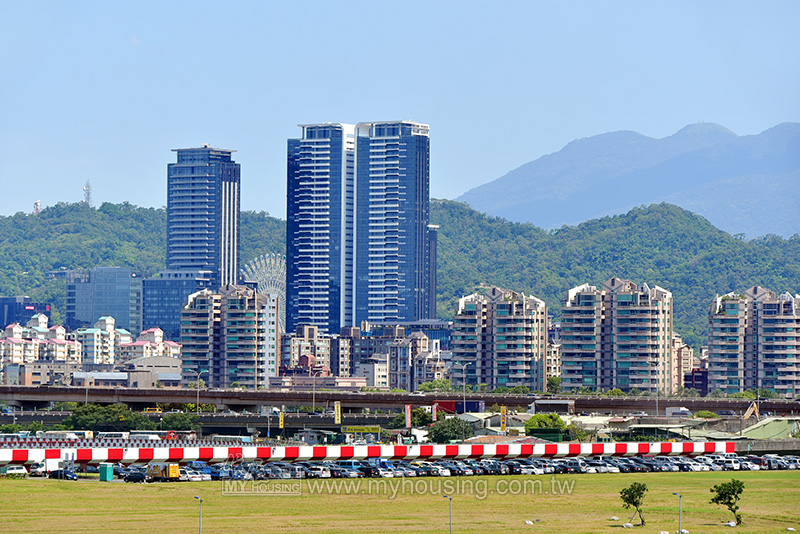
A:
137, 476
62, 474
16, 470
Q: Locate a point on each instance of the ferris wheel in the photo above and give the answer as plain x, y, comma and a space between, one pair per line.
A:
269, 271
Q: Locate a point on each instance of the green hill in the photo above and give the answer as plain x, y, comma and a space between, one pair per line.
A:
660, 245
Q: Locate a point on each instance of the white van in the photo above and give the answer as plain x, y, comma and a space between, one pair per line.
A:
15, 470
729, 464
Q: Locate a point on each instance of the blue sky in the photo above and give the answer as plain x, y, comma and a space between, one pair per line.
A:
104, 90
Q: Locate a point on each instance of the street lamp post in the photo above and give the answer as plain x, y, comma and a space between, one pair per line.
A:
680, 512
656, 367
314, 375
451, 511
198, 373
200, 531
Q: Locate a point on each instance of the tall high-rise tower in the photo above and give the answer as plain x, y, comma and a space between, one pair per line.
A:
319, 227
393, 280
359, 244
203, 213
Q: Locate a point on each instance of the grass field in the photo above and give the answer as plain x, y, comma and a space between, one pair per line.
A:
564, 504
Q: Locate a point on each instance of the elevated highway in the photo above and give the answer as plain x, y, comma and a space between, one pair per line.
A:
30, 397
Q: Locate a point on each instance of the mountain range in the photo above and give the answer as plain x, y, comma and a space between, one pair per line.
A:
744, 185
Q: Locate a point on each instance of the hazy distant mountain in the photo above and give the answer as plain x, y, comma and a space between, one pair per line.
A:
742, 184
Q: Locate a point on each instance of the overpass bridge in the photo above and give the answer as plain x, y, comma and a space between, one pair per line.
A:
30, 397
236, 424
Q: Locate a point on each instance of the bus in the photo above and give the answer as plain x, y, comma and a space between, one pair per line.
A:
70, 435
237, 439
164, 435
113, 435
14, 436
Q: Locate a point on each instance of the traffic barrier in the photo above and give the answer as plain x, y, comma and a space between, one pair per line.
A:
215, 452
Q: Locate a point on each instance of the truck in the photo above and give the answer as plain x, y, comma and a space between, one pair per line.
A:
40, 469
678, 411
163, 472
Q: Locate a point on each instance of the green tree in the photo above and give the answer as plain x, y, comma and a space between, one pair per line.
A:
180, 421
633, 497
419, 418
705, 414
452, 429
436, 385
554, 384
616, 392
543, 420
728, 494
113, 418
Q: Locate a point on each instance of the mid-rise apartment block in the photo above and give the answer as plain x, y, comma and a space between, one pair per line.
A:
149, 344
36, 343
618, 336
102, 343
753, 342
230, 337
413, 360
499, 339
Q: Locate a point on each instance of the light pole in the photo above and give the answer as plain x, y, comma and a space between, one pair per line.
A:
451, 511
464, 406
654, 365
201, 514
680, 512
314, 391
198, 373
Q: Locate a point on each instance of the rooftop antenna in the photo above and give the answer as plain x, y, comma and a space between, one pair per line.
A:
87, 194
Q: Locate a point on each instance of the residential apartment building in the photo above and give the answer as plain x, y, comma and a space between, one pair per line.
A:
499, 339
753, 342
413, 360
617, 337
682, 361
364, 343
359, 244
102, 344
150, 343
375, 370
35, 344
230, 337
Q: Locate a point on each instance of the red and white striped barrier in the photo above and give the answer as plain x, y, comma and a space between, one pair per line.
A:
143, 455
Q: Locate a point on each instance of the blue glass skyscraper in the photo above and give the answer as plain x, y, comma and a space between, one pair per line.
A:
392, 235
203, 206
203, 199
359, 243
319, 227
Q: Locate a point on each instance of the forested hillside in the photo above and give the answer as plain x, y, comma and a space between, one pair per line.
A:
660, 245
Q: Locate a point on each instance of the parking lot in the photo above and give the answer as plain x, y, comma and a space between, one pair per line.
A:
198, 471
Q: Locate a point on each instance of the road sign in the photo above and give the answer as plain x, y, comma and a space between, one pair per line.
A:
337, 413
281, 419
502, 419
